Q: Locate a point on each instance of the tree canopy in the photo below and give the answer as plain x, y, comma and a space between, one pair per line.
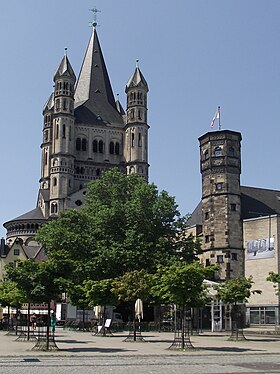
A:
10, 295
236, 290
125, 225
37, 281
182, 284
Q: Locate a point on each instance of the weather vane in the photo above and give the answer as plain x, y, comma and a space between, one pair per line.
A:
94, 10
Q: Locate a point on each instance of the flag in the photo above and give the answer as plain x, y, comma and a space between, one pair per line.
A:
216, 116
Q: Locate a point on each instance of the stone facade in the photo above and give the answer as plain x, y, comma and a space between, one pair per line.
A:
220, 167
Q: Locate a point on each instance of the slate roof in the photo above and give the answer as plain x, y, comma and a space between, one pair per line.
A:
35, 214
45, 193
136, 79
31, 251
196, 216
50, 103
94, 99
255, 202
64, 68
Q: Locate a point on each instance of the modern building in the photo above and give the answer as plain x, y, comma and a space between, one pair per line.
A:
238, 226
85, 132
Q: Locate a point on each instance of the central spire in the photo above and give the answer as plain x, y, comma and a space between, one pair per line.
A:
93, 89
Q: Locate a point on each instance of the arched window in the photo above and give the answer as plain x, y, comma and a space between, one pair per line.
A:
46, 157
54, 181
97, 172
64, 104
94, 146
139, 114
231, 151
57, 131
132, 139
206, 154
78, 144
54, 208
218, 151
82, 170
139, 139
63, 131
117, 148
100, 146
84, 145
111, 148
57, 104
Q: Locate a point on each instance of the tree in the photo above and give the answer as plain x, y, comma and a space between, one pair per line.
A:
275, 279
181, 284
130, 287
10, 296
39, 282
236, 291
125, 225
99, 293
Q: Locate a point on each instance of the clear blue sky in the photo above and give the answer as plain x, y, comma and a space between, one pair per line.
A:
195, 55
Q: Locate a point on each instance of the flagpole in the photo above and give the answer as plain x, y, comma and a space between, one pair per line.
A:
219, 111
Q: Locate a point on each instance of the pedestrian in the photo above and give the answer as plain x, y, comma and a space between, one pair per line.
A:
33, 320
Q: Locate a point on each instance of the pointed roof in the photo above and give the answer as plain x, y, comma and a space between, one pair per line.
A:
49, 104
137, 79
64, 68
94, 99
120, 108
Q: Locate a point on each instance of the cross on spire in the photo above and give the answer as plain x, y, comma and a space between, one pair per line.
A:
94, 10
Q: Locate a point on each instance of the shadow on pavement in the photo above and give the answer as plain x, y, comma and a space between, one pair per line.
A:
72, 341
101, 350
228, 349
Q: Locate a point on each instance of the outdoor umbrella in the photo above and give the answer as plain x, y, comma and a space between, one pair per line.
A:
139, 309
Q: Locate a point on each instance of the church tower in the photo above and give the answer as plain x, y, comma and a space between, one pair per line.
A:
136, 130
85, 132
220, 166
57, 147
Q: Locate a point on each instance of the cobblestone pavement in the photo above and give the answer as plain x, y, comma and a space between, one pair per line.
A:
84, 353
223, 364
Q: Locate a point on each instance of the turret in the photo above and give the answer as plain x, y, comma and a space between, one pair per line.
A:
136, 133
220, 166
62, 157
46, 145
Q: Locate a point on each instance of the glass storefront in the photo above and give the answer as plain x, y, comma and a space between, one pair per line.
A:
262, 315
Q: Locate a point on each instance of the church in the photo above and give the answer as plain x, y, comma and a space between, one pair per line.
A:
85, 132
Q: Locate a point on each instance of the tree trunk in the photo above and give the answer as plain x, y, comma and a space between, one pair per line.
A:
48, 327
84, 317
28, 321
